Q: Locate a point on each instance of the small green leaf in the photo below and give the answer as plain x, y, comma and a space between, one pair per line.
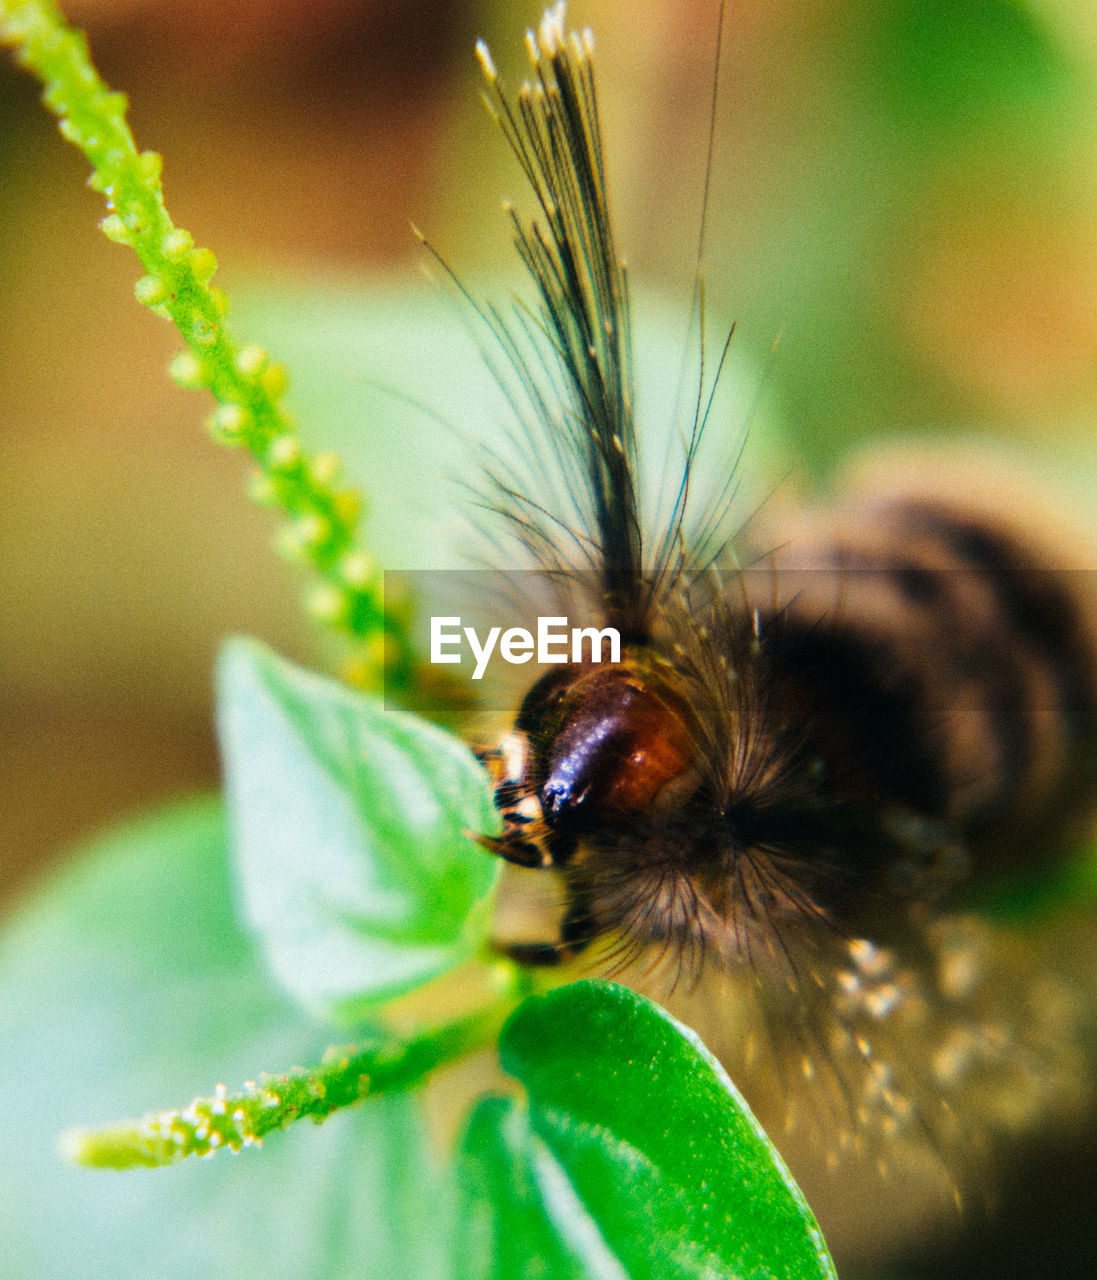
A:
350, 825
125, 984
636, 1158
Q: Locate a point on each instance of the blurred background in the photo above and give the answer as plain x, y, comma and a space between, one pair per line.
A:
904, 193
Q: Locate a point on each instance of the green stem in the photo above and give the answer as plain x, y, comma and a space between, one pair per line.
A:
248, 386
243, 1119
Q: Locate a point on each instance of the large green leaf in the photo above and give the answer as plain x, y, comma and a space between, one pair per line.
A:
126, 985
350, 828
633, 1157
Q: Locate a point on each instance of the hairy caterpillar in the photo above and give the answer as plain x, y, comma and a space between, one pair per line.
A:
829, 735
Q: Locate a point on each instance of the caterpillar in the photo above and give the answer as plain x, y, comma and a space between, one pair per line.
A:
831, 732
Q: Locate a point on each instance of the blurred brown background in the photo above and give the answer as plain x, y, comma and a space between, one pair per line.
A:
904, 192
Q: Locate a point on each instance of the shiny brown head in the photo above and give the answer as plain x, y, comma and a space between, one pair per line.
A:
594, 747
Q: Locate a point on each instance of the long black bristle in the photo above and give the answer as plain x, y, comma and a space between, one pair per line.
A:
584, 315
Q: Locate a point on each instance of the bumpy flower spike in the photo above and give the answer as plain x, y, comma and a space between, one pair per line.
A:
232, 1122
322, 517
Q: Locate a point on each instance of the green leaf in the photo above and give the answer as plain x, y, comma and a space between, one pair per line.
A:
350, 828
635, 1157
125, 985
508, 1213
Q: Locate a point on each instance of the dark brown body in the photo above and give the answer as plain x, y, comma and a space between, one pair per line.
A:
944, 673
